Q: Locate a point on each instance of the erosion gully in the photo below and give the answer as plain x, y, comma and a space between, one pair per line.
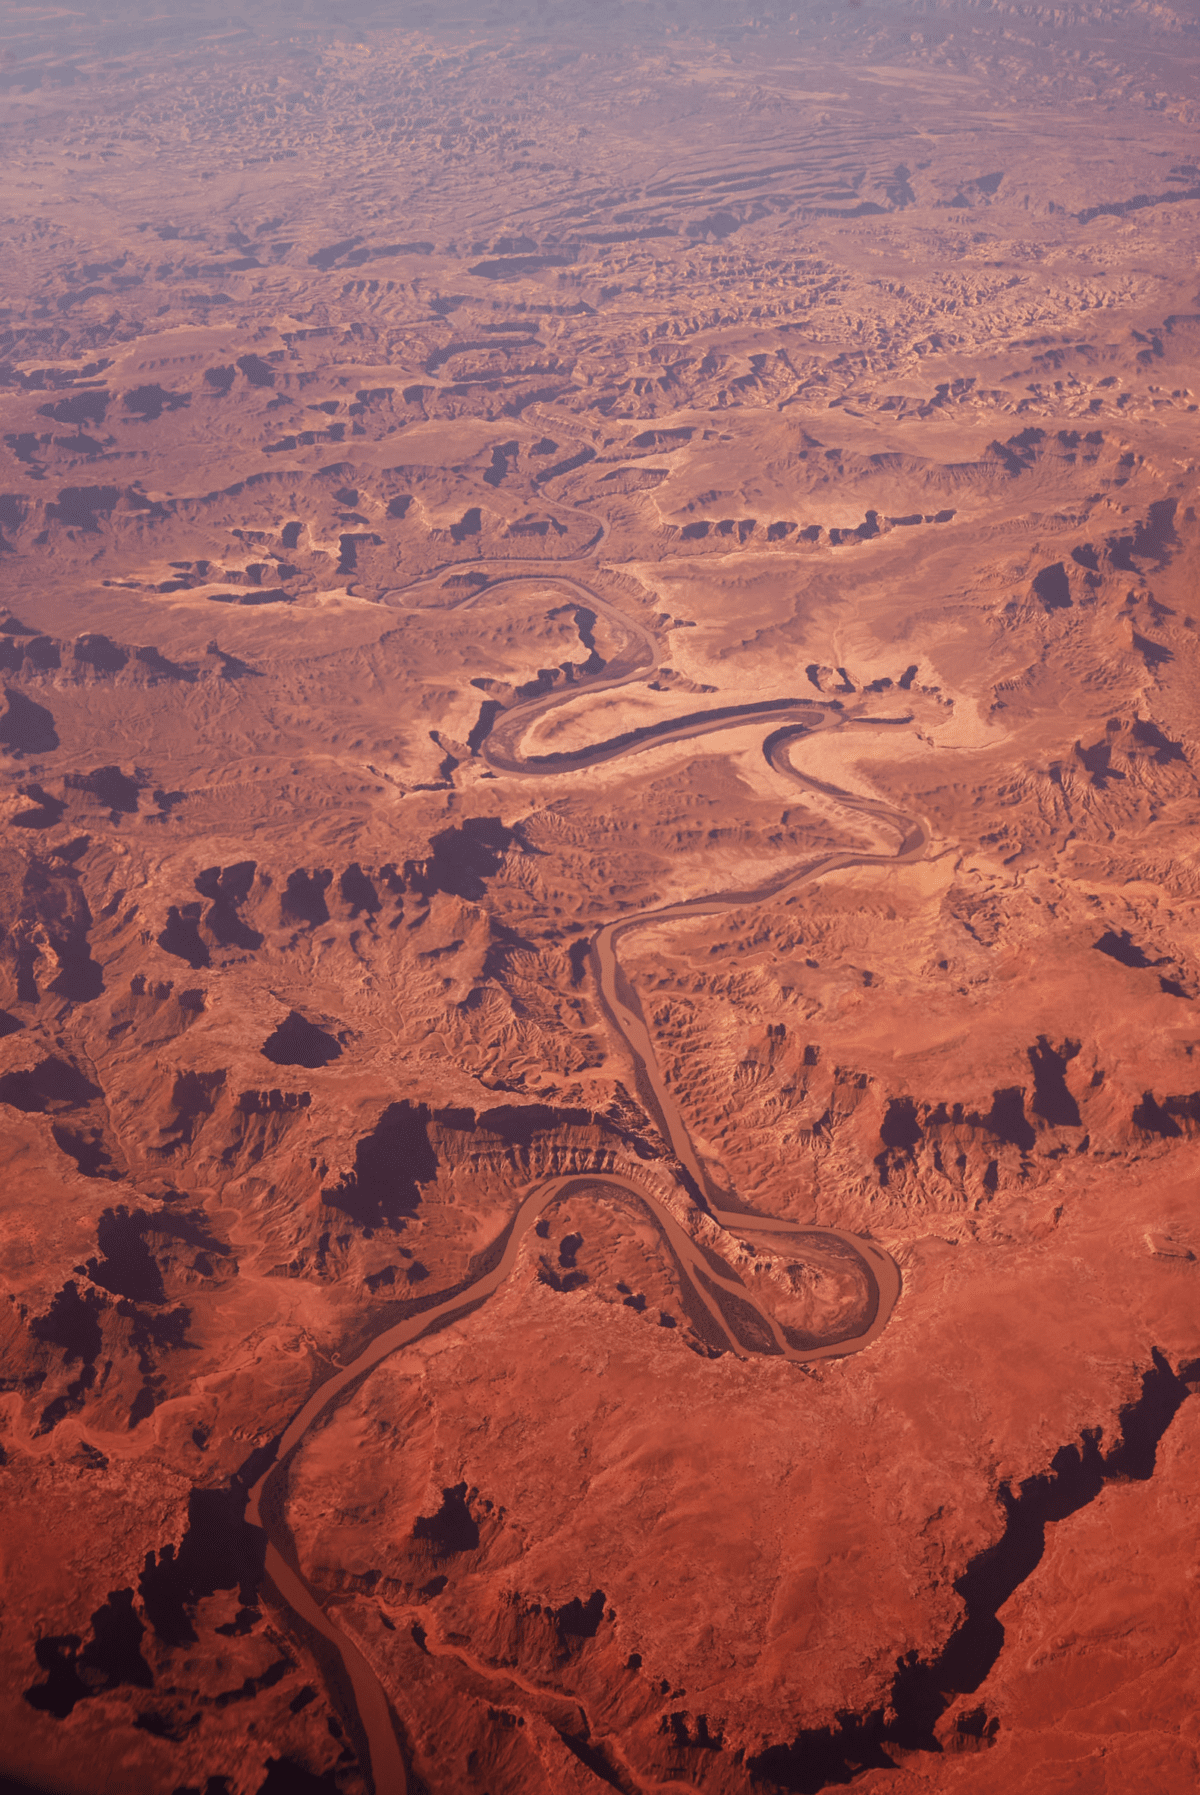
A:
704, 1276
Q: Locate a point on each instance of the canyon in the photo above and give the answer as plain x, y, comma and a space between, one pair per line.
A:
599, 1072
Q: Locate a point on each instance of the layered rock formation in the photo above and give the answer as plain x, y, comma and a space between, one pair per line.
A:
443, 458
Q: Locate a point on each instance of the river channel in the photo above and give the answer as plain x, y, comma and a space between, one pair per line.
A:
725, 1314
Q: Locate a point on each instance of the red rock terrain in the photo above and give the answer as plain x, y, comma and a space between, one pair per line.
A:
599, 675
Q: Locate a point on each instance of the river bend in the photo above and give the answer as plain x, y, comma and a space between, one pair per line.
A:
725, 1314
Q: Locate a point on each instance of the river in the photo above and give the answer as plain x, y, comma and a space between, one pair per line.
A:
724, 1312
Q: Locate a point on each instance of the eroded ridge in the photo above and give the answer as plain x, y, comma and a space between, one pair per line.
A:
445, 449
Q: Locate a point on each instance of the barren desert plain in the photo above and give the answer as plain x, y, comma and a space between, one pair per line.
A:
600, 775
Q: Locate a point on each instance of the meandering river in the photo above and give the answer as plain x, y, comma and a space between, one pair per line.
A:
725, 1313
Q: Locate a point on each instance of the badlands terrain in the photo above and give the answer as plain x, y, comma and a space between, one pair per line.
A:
599, 1059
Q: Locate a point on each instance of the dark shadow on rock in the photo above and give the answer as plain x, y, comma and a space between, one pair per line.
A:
26, 727
149, 402
921, 1692
152, 1331
1020, 451
14, 509
594, 1758
228, 887
230, 666
518, 1123
1075, 1478
1097, 759
46, 811
42, 654
1157, 536
900, 1128
24, 445
80, 979
298, 1042
159, 667
1153, 653
1007, 1119
1052, 1100
469, 524
1144, 1421
112, 1657
567, 466
325, 258
821, 1756
453, 1528
51, 1085
390, 1165
87, 1149
349, 546
303, 899
357, 891
463, 859
1148, 735
286, 1777
71, 1324
256, 370
219, 1550
58, 1655
79, 408
80, 445
273, 1102
1120, 552
79, 506
1119, 947
1053, 588
181, 937
1185, 1106
1152, 1118
580, 1620
113, 788
489, 710
114, 1650
128, 1268
501, 456
193, 1098
501, 947
563, 1282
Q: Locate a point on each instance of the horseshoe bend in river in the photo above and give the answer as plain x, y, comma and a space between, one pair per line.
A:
722, 1310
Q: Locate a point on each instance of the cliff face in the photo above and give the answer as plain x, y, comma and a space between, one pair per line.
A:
675, 1591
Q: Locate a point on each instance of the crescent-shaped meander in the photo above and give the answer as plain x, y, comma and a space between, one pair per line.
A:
723, 1311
